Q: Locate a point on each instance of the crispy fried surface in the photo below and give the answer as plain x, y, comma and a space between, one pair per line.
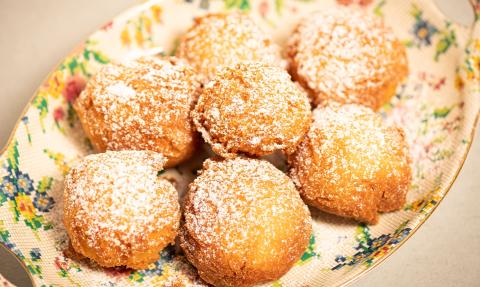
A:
117, 211
222, 39
252, 108
244, 223
347, 56
142, 105
351, 164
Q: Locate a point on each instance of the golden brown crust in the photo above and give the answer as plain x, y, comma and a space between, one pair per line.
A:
351, 164
244, 223
142, 105
223, 39
347, 56
252, 108
117, 211
395, 188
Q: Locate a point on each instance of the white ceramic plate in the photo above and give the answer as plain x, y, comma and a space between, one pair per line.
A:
438, 107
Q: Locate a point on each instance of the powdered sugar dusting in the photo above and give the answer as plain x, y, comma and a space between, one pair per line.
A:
239, 201
116, 197
252, 108
346, 55
121, 91
142, 104
351, 163
218, 40
358, 127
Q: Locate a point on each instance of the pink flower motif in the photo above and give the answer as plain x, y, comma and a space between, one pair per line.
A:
73, 87
58, 114
61, 263
476, 7
263, 8
362, 3
107, 26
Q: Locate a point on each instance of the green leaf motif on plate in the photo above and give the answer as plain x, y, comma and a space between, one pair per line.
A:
310, 252
243, 5
441, 112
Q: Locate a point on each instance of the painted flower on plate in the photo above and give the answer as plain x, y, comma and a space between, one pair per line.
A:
25, 206
73, 87
43, 202
423, 32
24, 183
8, 188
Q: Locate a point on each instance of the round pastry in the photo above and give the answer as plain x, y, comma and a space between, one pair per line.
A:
223, 39
347, 56
142, 104
244, 223
252, 108
117, 211
351, 164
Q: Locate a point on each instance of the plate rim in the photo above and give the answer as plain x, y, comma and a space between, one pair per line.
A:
471, 136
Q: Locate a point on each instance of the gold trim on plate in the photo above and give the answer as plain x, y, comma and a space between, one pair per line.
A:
349, 281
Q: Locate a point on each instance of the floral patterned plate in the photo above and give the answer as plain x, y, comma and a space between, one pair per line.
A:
438, 107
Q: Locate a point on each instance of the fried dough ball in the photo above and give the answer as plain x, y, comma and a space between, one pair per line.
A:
351, 164
117, 211
142, 104
222, 39
347, 56
252, 108
244, 223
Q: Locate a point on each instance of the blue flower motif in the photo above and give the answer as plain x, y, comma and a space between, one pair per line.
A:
43, 202
157, 270
379, 241
8, 244
35, 254
368, 249
165, 256
357, 257
423, 32
8, 187
400, 236
25, 119
24, 183
340, 259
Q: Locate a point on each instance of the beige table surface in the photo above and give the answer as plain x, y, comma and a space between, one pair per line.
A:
36, 34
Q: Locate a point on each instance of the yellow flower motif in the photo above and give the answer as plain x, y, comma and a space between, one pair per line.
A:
139, 38
459, 84
167, 272
55, 84
25, 206
475, 60
125, 36
135, 276
431, 203
157, 13
59, 160
425, 203
147, 23
477, 45
380, 252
